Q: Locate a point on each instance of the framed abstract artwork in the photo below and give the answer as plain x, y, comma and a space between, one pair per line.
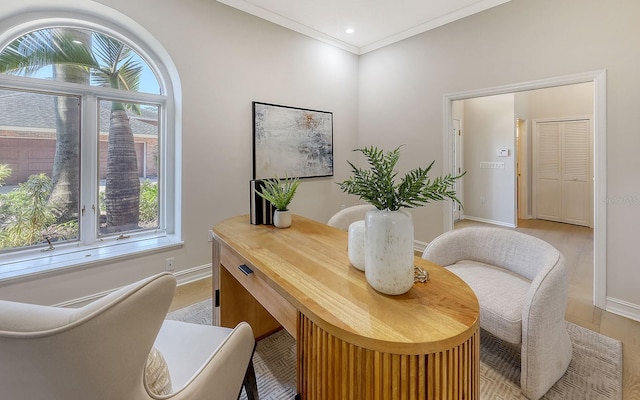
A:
291, 141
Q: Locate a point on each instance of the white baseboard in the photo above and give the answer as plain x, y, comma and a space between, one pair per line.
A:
419, 246
193, 274
623, 308
84, 300
490, 221
183, 277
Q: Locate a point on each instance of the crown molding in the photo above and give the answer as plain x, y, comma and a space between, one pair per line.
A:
281, 20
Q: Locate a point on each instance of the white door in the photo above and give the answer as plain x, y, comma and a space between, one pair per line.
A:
562, 155
576, 175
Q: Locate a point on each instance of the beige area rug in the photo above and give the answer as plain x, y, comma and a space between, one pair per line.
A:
595, 371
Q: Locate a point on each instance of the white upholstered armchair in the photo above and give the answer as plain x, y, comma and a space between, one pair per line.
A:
343, 218
102, 351
522, 284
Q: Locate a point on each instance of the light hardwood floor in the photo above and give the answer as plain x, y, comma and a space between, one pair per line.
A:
576, 243
191, 293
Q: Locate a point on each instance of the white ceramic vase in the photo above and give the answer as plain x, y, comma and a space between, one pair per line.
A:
282, 218
355, 245
389, 251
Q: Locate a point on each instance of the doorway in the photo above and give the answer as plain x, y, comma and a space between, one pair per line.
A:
598, 80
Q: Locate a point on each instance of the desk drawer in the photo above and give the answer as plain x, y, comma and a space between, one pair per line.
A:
285, 313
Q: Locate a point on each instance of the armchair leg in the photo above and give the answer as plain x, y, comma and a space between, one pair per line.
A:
249, 383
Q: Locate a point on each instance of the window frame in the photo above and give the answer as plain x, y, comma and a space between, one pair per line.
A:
91, 248
162, 220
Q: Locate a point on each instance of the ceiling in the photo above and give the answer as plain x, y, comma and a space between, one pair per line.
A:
377, 23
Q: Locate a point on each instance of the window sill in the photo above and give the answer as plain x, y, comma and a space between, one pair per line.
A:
80, 257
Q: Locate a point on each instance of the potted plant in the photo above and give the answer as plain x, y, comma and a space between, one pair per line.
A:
389, 230
280, 193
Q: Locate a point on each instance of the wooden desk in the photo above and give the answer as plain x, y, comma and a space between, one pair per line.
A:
352, 342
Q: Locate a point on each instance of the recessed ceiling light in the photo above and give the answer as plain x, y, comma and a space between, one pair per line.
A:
349, 31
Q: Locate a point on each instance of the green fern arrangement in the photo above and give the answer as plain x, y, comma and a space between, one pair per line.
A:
378, 184
279, 192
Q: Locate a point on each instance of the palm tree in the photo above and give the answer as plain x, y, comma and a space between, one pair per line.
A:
120, 70
66, 169
106, 62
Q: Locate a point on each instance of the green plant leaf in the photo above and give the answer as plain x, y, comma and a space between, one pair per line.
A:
377, 185
279, 192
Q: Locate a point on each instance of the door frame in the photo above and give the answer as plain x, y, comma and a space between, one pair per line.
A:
458, 166
599, 79
522, 169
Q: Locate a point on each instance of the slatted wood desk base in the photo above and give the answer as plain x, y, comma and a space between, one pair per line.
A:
329, 368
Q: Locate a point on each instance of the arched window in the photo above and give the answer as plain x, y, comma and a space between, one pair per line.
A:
87, 147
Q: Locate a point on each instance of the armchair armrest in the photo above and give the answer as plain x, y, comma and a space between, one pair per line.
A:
221, 372
544, 332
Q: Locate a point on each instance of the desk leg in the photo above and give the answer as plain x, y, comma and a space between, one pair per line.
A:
215, 281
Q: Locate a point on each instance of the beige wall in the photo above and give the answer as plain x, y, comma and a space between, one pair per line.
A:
489, 193
402, 88
226, 59
560, 102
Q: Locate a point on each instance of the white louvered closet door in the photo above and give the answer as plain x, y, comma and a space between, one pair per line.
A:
548, 172
563, 171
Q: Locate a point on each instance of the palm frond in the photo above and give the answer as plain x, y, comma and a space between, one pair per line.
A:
377, 185
108, 52
38, 49
129, 74
100, 78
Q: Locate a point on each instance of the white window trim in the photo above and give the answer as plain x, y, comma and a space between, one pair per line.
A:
84, 256
100, 18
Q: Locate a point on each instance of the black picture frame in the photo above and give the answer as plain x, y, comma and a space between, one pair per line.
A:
291, 141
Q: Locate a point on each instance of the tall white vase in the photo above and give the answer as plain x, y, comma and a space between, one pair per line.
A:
389, 251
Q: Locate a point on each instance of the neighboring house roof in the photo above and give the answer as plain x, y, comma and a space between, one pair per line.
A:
35, 110
27, 110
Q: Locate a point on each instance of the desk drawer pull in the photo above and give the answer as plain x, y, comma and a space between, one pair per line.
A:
245, 270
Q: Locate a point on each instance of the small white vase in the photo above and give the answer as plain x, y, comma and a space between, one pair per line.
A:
389, 256
282, 218
355, 247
